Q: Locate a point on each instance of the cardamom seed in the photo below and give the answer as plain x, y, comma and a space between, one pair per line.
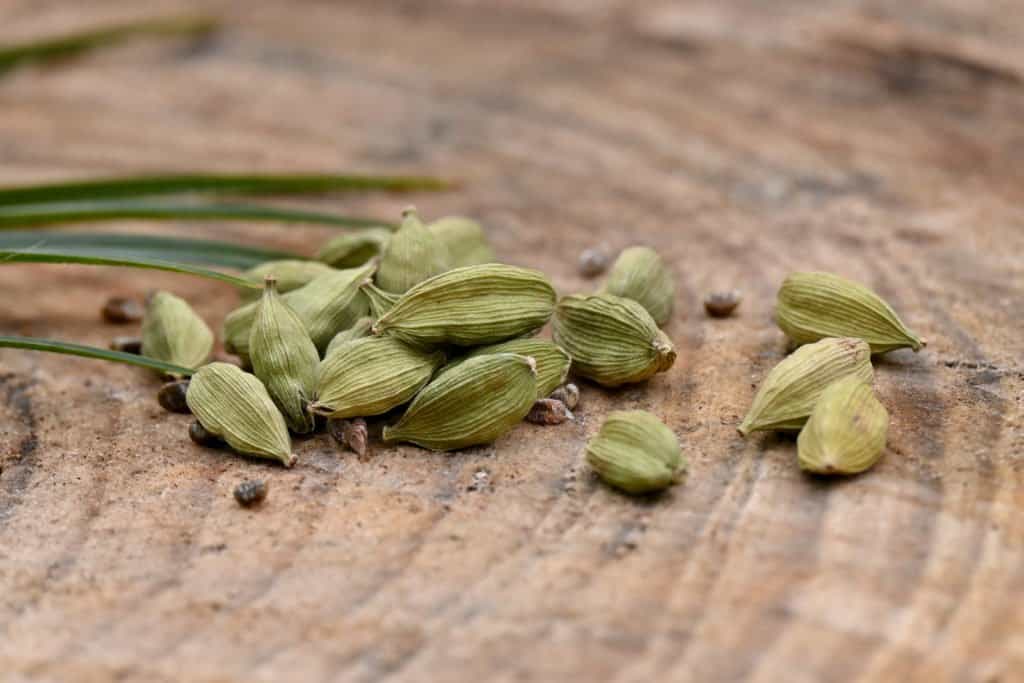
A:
351, 434
290, 273
119, 310
612, 340
234, 405
634, 451
812, 306
174, 333
411, 256
568, 394
788, 393
475, 403
722, 304
171, 396
471, 306
846, 431
127, 345
360, 328
548, 411
464, 239
380, 301
640, 274
552, 360
371, 376
251, 492
197, 432
354, 248
284, 358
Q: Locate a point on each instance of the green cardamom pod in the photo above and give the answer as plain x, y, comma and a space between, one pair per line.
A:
612, 340
354, 248
552, 360
284, 358
361, 328
475, 403
234, 405
640, 274
846, 431
812, 306
471, 306
634, 451
174, 333
380, 301
411, 256
290, 274
370, 376
464, 239
789, 392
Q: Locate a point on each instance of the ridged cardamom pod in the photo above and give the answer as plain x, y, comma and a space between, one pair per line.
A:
846, 431
640, 274
284, 358
552, 360
634, 451
360, 328
354, 248
411, 256
371, 376
788, 393
380, 301
471, 306
290, 274
612, 340
174, 333
812, 306
465, 240
475, 403
234, 405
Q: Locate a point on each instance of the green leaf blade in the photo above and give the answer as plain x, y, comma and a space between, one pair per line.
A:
68, 348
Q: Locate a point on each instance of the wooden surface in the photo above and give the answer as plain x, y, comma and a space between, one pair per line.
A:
744, 140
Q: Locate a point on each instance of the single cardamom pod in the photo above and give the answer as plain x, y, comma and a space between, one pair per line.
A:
234, 405
640, 274
380, 301
284, 358
788, 393
846, 431
411, 256
552, 360
471, 306
475, 403
174, 333
290, 273
634, 451
371, 376
359, 329
464, 239
354, 248
612, 340
812, 306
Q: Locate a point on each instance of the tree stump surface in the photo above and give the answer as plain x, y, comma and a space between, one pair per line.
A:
743, 140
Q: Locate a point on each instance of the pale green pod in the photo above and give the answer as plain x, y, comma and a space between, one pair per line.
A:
640, 274
290, 274
411, 256
813, 306
612, 340
174, 333
370, 376
475, 403
846, 431
234, 405
788, 393
552, 360
361, 328
380, 301
634, 451
354, 248
284, 358
471, 306
464, 239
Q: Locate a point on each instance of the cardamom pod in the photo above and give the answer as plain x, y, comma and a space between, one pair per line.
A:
411, 256
371, 376
812, 306
471, 306
354, 248
612, 340
290, 273
380, 301
640, 274
360, 328
475, 403
464, 239
174, 333
552, 360
788, 393
284, 358
634, 451
846, 431
234, 405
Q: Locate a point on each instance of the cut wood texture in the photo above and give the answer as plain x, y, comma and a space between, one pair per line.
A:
743, 140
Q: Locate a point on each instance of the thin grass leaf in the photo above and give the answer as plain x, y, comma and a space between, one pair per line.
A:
211, 183
72, 44
54, 346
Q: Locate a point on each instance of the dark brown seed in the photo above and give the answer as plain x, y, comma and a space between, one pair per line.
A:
548, 411
350, 434
171, 396
251, 492
568, 394
127, 345
201, 437
594, 261
722, 304
119, 310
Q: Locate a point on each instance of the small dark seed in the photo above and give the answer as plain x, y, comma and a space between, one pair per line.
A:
594, 261
568, 394
351, 434
119, 310
251, 492
548, 411
171, 396
202, 437
722, 304
126, 345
